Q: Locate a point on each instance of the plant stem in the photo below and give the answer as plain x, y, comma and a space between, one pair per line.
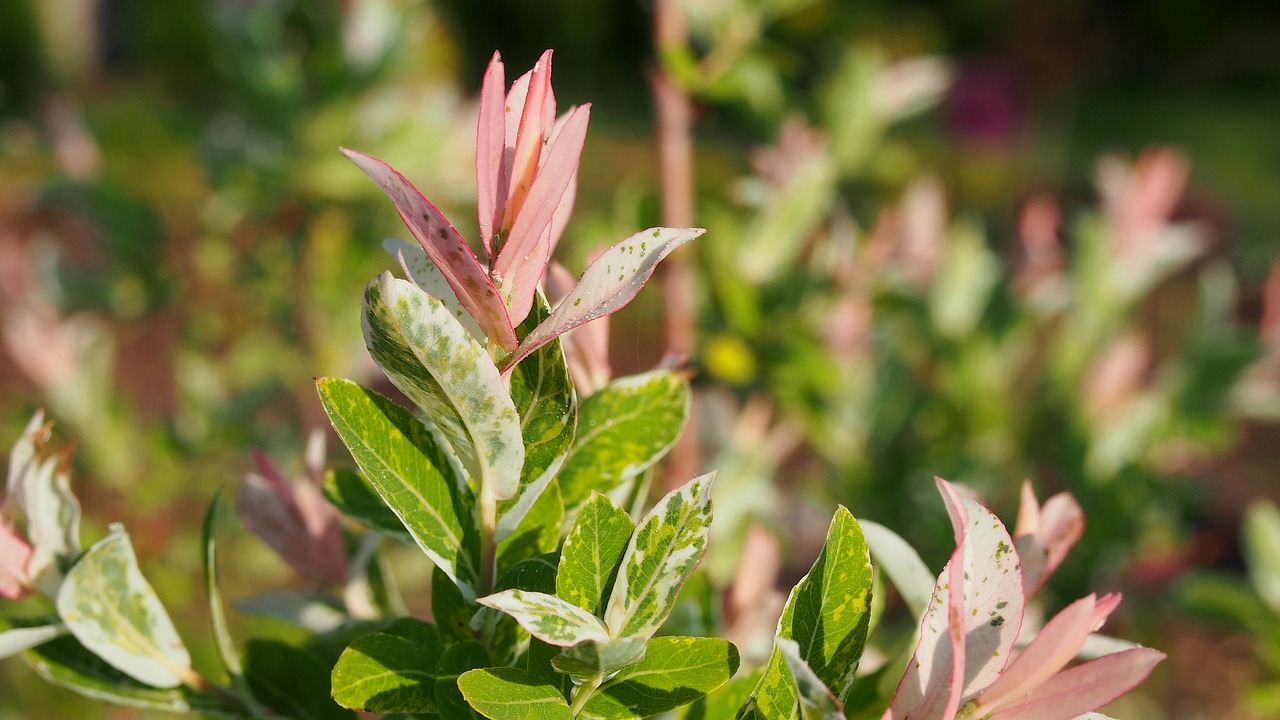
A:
584, 693
488, 531
674, 111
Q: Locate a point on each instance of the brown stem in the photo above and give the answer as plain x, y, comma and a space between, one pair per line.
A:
674, 111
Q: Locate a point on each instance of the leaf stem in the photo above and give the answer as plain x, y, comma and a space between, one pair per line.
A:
583, 693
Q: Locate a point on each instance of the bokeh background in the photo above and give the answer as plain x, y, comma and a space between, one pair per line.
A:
982, 240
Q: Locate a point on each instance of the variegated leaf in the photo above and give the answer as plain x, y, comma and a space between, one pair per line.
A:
623, 429
666, 547
438, 365
538, 532
675, 672
592, 554
967, 634
446, 248
608, 284
509, 640
424, 273
816, 700
404, 465
15, 640
42, 491
548, 618
827, 615
111, 609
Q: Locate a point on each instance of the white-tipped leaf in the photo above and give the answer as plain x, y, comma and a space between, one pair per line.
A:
548, 618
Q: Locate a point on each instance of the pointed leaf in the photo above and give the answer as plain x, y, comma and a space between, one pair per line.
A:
16, 640
816, 700
418, 267
623, 430
446, 248
547, 617
112, 610
827, 614
403, 463
667, 546
592, 554
675, 672
458, 659
513, 694
42, 491
356, 498
1262, 549
217, 615
390, 671
491, 189
441, 368
68, 664
608, 284
527, 250
967, 634
290, 681
1082, 688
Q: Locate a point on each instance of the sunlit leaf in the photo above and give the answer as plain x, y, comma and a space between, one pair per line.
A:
592, 658
356, 498
445, 372
668, 543
547, 617
513, 694
816, 700
538, 532
675, 672
458, 659
403, 463
390, 671
592, 554
112, 610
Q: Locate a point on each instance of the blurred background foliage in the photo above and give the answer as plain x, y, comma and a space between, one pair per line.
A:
917, 263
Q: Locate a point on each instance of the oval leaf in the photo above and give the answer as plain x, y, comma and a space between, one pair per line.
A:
623, 429
112, 610
438, 365
404, 465
390, 671
675, 672
547, 617
513, 694
592, 554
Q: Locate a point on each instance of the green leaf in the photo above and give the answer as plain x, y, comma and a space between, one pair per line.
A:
544, 398
725, 701
592, 554
405, 465
112, 610
458, 659
592, 658
290, 681
68, 664
666, 547
547, 617
816, 700
538, 532
438, 365
356, 498
624, 428
675, 672
390, 671
513, 694
452, 611
316, 613
217, 615
827, 615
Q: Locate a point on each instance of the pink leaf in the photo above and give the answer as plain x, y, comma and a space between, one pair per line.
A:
586, 347
530, 136
491, 190
1057, 644
968, 632
446, 248
14, 554
1045, 535
1083, 688
524, 254
608, 284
